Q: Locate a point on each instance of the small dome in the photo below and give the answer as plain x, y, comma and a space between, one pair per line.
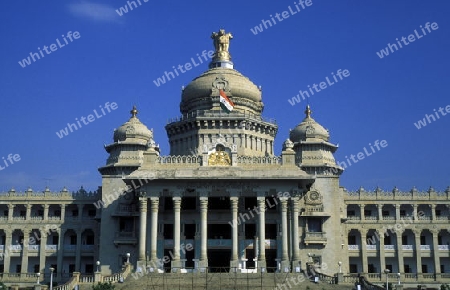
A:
309, 128
198, 95
133, 129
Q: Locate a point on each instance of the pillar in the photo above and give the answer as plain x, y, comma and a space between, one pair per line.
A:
381, 251
46, 207
42, 249
154, 229
25, 242
78, 251
397, 213
7, 251
418, 252
60, 252
361, 211
401, 264
284, 235
365, 267
10, 211
437, 264
234, 263
176, 262
203, 262
142, 227
63, 212
262, 232
295, 241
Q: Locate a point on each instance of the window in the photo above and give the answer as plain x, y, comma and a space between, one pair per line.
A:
250, 231
54, 240
367, 212
71, 268
314, 225
189, 231
5, 213
23, 213
75, 212
188, 203
385, 213
36, 268
424, 268
168, 203
387, 241
402, 213
352, 241
89, 239
91, 212
404, 240
350, 213
423, 241
168, 231
40, 212
73, 239
18, 268
89, 268
438, 212
407, 269
353, 268
389, 267
57, 213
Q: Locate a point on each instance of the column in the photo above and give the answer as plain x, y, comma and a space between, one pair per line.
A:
418, 252
176, 263
154, 229
142, 227
415, 213
80, 212
437, 264
295, 240
365, 267
433, 212
43, 235
262, 232
380, 212
46, 207
397, 213
63, 212
361, 211
203, 232
60, 252
381, 251
25, 242
28, 207
401, 266
78, 251
7, 250
234, 232
10, 211
284, 234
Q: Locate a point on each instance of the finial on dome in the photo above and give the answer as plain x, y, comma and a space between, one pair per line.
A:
222, 57
134, 112
308, 112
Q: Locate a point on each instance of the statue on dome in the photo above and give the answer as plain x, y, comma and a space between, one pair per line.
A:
221, 40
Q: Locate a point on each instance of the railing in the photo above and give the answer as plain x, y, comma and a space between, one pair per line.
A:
70, 247
354, 218
51, 247
37, 218
442, 218
370, 217
54, 218
408, 247
87, 248
118, 277
388, 218
443, 247
265, 160
178, 159
352, 278
425, 247
367, 285
218, 114
33, 247
353, 247
88, 279
371, 247
389, 247
424, 217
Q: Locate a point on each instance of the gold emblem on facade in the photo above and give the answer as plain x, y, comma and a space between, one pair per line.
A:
219, 157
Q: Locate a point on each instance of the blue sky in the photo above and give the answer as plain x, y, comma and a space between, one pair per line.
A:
116, 58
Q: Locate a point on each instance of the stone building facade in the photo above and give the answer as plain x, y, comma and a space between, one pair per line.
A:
223, 201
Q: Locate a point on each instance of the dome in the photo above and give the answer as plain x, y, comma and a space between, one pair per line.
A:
133, 129
309, 128
203, 91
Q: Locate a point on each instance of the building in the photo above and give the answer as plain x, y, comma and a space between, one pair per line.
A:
222, 200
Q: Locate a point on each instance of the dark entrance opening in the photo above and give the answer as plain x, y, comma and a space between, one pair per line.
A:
190, 255
219, 261
250, 255
271, 263
168, 253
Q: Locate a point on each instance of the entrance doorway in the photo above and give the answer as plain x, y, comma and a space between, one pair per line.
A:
219, 260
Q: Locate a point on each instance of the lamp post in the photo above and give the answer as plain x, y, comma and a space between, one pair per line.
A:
51, 277
38, 275
98, 266
128, 258
340, 266
398, 276
387, 278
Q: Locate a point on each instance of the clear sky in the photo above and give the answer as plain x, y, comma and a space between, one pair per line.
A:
116, 58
